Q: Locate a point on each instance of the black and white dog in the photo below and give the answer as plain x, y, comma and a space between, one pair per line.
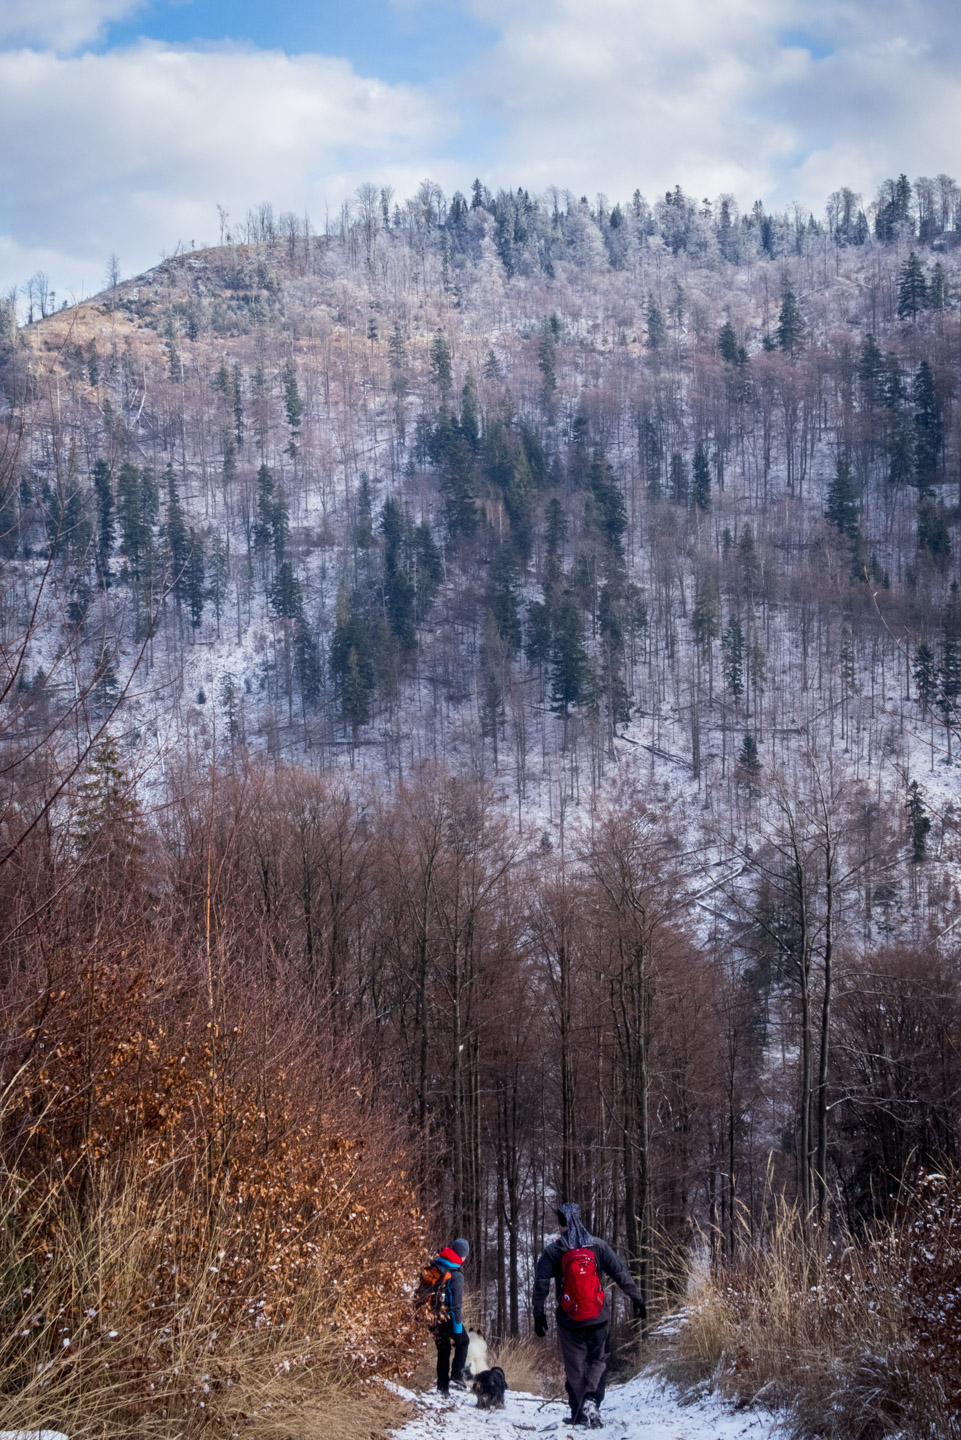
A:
476, 1354
489, 1387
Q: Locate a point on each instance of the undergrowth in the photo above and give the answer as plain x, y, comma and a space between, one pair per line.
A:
858, 1339
205, 1229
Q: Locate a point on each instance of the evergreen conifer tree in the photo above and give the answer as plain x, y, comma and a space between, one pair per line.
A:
790, 325
912, 289
176, 537
919, 822
286, 595
701, 488
938, 288
105, 523
928, 427
656, 331
926, 675
842, 506
569, 663
727, 343
194, 579
732, 644
748, 758
441, 369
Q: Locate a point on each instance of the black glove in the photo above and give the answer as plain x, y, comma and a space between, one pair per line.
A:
540, 1326
640, 1309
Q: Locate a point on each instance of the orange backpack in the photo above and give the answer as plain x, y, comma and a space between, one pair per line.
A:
432, 1297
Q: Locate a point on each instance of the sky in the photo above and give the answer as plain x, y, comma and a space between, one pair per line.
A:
127, 123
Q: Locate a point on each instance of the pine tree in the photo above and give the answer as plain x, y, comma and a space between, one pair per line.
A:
928, 427
238, 399
286, 595
610, 624
701, 489
747, 560
938, 288
502, 602
537, 643
310, 676
546, 363
129, 514
926, 675
292, 405
569, 664
441, 370
706, 615
870, 374
656, 332
842, 506
912, 289
519, 503
194, 579
934, 537
492, 369
679, 479
470, 413
264, 524
231, 704
919, 823
351, 666
790, 325
651, 457
949, 678
105, 524
732, 644
428, 569
106, 826
748, 758
727, 343
176, 537
398, 585
491, 659
219, 574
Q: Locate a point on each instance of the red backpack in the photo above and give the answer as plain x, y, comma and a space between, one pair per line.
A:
582, 1294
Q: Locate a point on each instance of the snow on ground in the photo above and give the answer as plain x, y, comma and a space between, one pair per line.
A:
643, 1409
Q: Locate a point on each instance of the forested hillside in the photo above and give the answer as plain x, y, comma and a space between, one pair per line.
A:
523, 635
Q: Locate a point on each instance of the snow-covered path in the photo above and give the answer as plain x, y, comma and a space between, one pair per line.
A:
643, 1409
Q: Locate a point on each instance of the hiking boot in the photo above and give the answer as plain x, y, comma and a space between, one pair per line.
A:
591, 1415
443, 1392
459, 1385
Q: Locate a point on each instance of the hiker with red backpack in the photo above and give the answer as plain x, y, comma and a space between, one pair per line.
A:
575, 1261
440, 1298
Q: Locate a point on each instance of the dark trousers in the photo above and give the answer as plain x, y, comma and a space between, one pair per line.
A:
444, 1338
584, 1353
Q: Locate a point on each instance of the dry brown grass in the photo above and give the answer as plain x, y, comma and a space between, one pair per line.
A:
88, 1356
531, 1365
857, 1342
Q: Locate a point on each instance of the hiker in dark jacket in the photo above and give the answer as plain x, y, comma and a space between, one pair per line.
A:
584, 1341
452, 1333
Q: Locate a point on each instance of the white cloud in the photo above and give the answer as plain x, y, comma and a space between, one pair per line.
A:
776, 99
132, 151
60, 24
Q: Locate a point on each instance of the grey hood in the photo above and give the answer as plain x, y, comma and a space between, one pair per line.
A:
578, 1236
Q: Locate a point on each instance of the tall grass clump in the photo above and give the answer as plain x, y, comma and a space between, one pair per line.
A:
206, 1224
857, 1339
